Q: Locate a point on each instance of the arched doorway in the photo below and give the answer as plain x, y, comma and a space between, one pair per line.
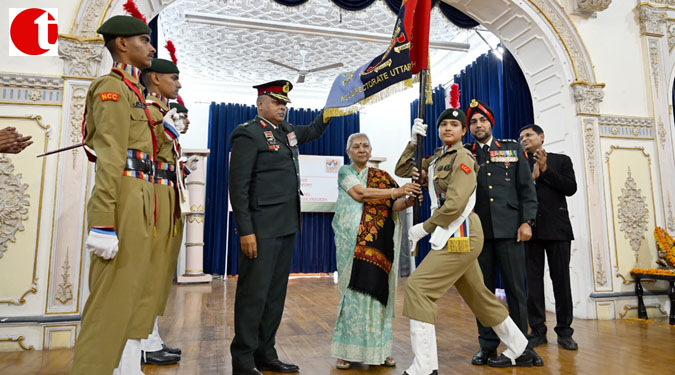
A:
559, 74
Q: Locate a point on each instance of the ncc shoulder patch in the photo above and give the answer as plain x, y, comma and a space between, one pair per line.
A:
105, 96
465, 168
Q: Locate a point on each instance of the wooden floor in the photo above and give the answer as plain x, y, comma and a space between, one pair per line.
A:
200, 322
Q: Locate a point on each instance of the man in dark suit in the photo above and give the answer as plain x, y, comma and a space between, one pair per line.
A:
554, 179
265, 197
506, 203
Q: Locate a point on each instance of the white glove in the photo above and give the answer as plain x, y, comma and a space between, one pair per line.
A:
170, 119
416, 233
103, 243
418, 128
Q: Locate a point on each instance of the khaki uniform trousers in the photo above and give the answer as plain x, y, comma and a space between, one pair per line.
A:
148, 306
175, 243
440, 270
116, 285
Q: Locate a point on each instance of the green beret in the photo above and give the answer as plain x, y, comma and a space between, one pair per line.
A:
452, 114
162, 66
122, 26
179, 107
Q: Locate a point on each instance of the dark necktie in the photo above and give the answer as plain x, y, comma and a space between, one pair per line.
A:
486, 148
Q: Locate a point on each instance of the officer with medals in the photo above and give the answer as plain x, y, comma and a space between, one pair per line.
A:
265, 195
506, 202
162, 82
118, 137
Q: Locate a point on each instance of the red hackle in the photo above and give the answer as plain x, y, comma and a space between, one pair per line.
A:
180, 100
454, 96
172, 51
131, 9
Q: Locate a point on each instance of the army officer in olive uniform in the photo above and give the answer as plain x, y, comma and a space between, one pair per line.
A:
506, 202
265, 197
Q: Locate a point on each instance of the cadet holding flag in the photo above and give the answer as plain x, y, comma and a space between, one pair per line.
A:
119, 138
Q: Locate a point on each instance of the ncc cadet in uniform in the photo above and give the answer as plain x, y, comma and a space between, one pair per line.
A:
265, 195
118, 136
456, 241
162, 83
506, 203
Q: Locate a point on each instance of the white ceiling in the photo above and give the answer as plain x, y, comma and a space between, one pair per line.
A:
238, 54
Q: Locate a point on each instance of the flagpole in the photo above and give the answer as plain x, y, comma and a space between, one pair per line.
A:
418, 160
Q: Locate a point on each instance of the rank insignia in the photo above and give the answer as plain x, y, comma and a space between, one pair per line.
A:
465, 168
286, 88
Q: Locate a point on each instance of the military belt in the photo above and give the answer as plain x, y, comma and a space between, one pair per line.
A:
166, 174
140, 165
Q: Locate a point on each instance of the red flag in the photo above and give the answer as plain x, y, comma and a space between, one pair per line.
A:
419, 36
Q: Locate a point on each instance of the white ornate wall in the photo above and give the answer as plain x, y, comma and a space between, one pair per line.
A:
610, 111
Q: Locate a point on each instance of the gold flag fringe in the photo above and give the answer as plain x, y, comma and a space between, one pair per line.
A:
329, 113
459, 245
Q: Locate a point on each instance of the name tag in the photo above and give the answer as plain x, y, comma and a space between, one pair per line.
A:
292, 139
140, 105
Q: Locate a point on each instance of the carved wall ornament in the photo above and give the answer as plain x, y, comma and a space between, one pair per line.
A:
81, 57
654, 61
671, 34
28, 81
600, 274
77, 103
661, 130
626, 127
87, 24
29, 89
652, 20
13, 203
64, 291
633, 214
588, 97
589, 137
670, 219
34, 95
591, 6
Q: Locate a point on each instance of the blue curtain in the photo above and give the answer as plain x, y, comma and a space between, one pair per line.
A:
430, 143
314, 250
501, 84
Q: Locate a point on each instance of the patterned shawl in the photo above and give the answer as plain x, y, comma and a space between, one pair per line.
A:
374, 251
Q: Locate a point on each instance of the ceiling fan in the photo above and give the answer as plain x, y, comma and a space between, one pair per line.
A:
303, 71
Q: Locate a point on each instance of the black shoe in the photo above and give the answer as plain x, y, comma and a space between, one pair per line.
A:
277, 365
159, 358
536, 340
568, 343
525, 360
481, 357
435, 372
253, 371
536, 359
171, 350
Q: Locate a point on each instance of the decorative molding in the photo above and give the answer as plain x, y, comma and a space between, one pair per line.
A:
652, 20
626, 127
30, 89
633, 214
88, 17
589, 138
627, 308
564, 28
592, 6
670, 27
15, 202
64, 291
18, 340
600, 274
588, 97
77, 102
661, 131
654, 61
197, 208
670, 218
81, 57
199, 218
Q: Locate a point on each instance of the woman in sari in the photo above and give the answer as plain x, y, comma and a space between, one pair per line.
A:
367, 239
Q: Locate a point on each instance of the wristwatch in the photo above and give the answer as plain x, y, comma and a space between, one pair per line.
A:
531, 223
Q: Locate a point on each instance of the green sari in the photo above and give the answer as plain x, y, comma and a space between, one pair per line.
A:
363, 330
